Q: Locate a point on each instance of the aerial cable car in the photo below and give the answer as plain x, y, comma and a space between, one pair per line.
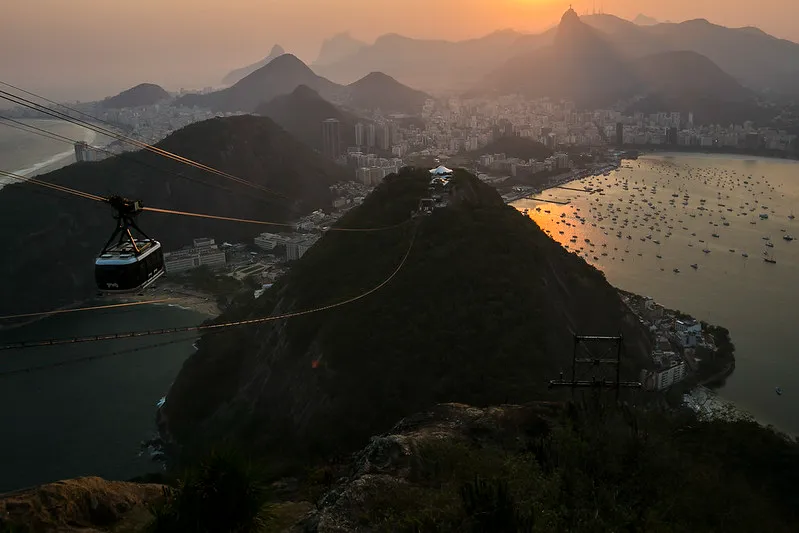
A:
131, 264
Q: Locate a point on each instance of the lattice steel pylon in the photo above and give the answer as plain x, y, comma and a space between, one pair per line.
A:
598, 364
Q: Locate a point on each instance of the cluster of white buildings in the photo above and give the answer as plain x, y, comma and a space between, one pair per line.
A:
86, 152
203, 252
152, 123
370, 169
516, 166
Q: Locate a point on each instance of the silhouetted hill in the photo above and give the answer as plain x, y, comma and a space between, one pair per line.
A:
689, 82
239, 73
338, 48
754, 58
281, 76
514, 146
140, 95
482, 311
380, 91
685, 74
56, 267
302, 112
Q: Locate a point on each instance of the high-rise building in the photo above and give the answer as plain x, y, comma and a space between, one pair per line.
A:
360, 134
331, 138
619, 134
383, 137
671, 136
371, 135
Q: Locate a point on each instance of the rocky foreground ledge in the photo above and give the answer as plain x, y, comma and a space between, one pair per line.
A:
85, 505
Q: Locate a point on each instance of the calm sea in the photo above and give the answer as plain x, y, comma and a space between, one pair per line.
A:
757, 301
84, 409
28, 153
81, 409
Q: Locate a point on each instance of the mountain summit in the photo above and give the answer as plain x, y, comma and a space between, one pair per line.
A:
337, 48
380, 91
140, 95
280, 76
482, 310
242, 72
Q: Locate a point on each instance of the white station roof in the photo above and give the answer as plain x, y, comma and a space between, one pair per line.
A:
441, 171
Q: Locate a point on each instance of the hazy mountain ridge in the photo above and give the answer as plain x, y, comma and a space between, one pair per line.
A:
428, 64
593, 68
481, 312
70, 231
280, 76
756, 59
239, 73
141, 95
337, 48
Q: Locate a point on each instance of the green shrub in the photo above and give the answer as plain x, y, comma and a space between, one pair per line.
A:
224, 492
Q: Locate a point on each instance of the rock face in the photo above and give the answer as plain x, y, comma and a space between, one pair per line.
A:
390, 459
86, 505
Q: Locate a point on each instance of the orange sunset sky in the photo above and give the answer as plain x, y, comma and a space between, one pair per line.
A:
90, 48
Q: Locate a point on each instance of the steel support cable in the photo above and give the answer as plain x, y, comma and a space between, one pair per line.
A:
213, 327
29, 93
91, 196
79, 309
54, 186
18, 125
87, 358
98, 129
10, 122
264, 222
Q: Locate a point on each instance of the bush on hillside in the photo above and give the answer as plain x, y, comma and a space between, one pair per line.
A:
223, 492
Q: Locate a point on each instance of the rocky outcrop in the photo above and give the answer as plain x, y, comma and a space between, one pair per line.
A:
389, 460
86, 505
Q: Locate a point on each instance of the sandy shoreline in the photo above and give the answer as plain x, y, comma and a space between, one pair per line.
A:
177, 296
169, 294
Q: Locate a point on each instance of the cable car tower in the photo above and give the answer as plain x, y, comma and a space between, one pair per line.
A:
131, 264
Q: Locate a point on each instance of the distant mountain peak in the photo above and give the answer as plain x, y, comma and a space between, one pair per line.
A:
338, 47
236, 75
569, 16
643, 20
141, 95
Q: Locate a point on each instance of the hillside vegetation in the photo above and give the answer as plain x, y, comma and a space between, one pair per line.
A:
482, 311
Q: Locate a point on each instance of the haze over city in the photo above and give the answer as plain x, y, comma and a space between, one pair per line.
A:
87, 49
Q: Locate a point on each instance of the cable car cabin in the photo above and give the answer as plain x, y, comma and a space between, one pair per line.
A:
120, 269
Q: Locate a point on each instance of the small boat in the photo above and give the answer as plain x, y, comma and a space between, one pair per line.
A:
778, 390
716, 235
676, 270
695, 266
787, 237
745, 254
770, 244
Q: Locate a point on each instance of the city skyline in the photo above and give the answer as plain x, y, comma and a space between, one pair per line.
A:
88, 49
